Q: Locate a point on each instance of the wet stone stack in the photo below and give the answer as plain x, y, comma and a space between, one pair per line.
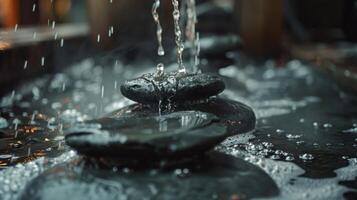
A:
138, 152
176, 119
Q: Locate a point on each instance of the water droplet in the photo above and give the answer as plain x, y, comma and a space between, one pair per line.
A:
279, 131
275, 157
178, 172
102, 91
291, 136
316, 125
34, 7
126, 170
160, 70
28, 151
345, 157
289, 158
327, 125
43, 61
62, 42
53, 24
25, 64
352, 130
306, 156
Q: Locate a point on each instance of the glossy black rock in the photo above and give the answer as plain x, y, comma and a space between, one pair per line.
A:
214, 176
172, 87
236, 116
150, 137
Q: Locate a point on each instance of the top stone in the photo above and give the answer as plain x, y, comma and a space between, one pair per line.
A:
172, 87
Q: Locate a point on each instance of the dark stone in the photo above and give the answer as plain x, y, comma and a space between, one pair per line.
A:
150, 137
214, 176
218, 45
172, 87
238, 118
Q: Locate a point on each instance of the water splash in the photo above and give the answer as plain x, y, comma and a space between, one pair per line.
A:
178, 36
160, 70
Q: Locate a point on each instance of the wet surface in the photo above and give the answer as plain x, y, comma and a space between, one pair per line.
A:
305, 138
314, 132
216, 176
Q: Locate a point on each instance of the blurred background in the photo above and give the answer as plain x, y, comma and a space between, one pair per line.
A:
44, 36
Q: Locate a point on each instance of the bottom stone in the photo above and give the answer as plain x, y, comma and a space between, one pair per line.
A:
215, 176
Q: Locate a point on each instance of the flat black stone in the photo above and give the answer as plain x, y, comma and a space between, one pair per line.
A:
214, 176
150, 137
172, 87
238, 117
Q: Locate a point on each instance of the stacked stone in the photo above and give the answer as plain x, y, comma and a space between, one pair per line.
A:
192, 120
137, 153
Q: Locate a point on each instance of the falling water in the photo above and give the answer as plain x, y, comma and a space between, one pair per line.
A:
33, 7
29, 152
161, 52
191, 35
25, 64
62, 42
178, 38
191, 22
42, 61
155, 14
197, 53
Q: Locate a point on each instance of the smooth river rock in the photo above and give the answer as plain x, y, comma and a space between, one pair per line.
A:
151, 137
214, 176
172, 87
236, 116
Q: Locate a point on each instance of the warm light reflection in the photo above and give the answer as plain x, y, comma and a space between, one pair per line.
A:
4, 45
29, 129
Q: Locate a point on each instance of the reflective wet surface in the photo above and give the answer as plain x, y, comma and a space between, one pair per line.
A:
216, 176
305, 139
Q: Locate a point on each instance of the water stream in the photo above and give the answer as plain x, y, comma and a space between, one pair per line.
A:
155, 14
191, 35
178, 36
161, 51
